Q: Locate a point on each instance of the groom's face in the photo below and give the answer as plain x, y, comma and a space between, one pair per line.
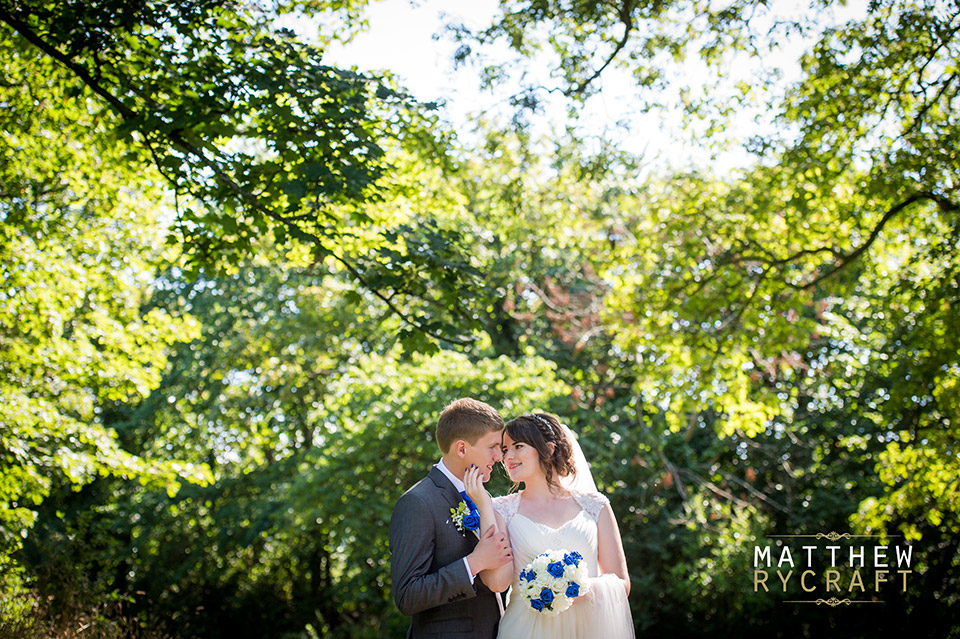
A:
485, 453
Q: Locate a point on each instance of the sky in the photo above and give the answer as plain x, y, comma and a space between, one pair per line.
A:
400, 38
403, 38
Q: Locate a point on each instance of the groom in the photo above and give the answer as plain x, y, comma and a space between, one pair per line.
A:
437, 569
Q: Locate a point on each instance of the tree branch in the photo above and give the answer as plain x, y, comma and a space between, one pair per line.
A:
626, 17
918, 118
714, 488
785, 260
843, 259
755, 492
848, 258
128, 114
253, 201
78, 70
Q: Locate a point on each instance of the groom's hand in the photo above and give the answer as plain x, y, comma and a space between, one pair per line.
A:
492, 551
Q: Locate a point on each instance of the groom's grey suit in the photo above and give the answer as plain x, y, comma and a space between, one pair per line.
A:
430, 578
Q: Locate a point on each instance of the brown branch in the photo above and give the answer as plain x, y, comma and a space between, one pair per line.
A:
675, 472
915, 123
714, 488
627, 19
756, 492
848, 258
785, 260
78, 70
843, 259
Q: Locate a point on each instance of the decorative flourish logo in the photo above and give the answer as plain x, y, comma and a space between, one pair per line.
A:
833, 573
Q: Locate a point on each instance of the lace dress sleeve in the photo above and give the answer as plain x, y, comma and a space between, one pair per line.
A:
507, 506
592, 503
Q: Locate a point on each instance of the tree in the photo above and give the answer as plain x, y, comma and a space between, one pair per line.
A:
78, 252
808, 297
256, 135
765, 350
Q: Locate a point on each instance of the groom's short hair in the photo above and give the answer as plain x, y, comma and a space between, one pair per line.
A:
467, 419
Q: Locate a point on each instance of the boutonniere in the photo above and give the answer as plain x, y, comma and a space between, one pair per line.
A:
465, 519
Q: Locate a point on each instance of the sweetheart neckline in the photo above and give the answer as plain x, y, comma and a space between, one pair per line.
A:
540, 523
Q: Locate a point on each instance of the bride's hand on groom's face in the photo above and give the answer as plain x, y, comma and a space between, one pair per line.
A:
473, 486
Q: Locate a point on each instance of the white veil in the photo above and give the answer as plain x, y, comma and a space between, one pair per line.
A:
583, 480
609, 610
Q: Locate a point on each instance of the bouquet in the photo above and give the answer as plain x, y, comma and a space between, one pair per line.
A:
553, 580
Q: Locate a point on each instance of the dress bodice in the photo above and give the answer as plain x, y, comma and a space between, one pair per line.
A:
590, 503
604, 612
530, 538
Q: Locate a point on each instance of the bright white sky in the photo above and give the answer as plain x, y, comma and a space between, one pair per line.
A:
402, 39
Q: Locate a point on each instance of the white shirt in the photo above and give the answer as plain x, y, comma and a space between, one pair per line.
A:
458, 484
456, 481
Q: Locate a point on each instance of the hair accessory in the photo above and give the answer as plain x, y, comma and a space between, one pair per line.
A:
544, 422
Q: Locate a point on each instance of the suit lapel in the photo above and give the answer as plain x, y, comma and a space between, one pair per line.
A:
445, 487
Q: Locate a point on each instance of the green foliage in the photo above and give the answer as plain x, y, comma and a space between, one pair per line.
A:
74, 340
18, 606
256, 136
766, 351
654, 45
268, 547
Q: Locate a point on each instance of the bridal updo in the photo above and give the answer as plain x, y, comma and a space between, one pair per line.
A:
540, 430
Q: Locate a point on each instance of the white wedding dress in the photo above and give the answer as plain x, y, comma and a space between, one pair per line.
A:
603, 613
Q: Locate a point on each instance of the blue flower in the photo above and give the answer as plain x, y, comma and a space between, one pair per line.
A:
530, 575
556, 569
573, 590
536, 604
569, 559
471, 521
546, 596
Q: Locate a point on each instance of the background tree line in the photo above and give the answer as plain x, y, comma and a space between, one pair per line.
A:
239, 285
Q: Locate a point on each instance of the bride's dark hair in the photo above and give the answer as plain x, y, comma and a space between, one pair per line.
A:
539, 430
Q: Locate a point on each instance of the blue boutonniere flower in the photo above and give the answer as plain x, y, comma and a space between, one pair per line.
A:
464, 519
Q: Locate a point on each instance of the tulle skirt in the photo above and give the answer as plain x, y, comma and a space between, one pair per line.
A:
602, 613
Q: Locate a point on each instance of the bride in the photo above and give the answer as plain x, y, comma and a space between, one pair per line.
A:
559, 508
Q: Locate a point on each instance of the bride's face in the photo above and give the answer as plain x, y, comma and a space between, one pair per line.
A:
520, 459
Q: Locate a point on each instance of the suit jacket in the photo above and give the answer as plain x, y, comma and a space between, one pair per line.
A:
430, 580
